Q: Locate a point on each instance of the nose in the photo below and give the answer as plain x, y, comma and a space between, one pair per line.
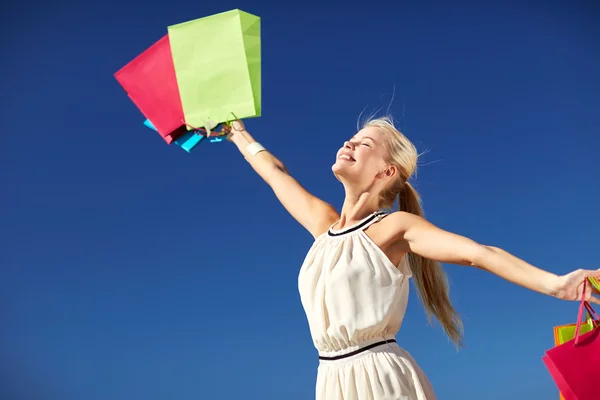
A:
349, 145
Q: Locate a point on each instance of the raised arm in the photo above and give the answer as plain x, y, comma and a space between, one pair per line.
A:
312, 213
427, 240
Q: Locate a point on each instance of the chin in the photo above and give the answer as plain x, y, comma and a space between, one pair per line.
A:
337, 168
342, 172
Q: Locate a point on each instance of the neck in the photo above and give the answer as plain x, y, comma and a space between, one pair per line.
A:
357, 205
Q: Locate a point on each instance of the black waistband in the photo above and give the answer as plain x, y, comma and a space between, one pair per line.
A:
355, 352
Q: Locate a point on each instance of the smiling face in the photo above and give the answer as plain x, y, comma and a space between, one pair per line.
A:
363, 160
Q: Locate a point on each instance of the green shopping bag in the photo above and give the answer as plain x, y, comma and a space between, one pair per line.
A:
217, 63
564, 333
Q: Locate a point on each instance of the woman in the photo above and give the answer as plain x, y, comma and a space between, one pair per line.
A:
354, 280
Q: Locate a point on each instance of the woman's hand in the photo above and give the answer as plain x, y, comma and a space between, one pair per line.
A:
570, 286
236, 130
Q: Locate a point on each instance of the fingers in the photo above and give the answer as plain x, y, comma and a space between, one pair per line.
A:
594, 300
237, 125
594, 282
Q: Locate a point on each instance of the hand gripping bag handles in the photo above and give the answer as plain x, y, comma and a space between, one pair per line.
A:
575, 365
203, 73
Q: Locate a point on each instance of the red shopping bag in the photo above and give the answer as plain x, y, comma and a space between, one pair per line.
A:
149, 80
575, 365
171, 137
564, 333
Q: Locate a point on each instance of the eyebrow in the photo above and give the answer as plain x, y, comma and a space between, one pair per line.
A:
365, 137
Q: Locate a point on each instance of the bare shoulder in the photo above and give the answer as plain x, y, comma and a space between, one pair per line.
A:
390, 233
328, 216
398, 222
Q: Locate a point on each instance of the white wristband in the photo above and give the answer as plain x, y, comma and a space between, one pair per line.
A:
254, 148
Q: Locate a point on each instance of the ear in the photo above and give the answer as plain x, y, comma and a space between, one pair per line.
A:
389, 172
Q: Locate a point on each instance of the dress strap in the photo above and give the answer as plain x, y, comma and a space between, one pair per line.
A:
363, 224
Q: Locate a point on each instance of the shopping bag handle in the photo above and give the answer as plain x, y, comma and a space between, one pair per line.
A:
591, 314
590, 310
225, 130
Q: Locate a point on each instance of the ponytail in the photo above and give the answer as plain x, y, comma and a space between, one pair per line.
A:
430, 278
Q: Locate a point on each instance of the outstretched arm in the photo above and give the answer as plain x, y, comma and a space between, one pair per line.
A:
425, 239
312, 213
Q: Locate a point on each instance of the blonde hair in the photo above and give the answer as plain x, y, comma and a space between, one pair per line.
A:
430, 278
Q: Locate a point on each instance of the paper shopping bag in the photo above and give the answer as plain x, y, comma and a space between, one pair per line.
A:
564, 333
172, 137
149, 80
187, 141
575, 364
576, 369
217, 63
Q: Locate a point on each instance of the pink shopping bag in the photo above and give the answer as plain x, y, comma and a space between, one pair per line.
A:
575, 365
149, 80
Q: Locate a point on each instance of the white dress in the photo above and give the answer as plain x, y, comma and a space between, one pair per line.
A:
355, 300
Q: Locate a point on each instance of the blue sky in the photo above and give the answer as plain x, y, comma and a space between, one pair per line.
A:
131, 269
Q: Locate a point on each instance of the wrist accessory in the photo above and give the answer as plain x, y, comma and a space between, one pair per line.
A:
255, 148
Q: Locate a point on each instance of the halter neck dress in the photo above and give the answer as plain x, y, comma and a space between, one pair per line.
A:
355, 300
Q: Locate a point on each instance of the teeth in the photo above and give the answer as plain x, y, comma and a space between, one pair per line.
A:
346, 157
